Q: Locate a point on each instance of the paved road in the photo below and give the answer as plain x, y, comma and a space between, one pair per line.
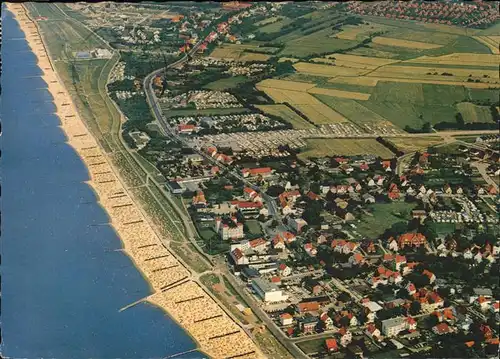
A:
342, 287
481, 167
169, 131
273, 328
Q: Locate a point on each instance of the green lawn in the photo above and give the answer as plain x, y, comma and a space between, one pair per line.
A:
384, 216
312, 346
209, 279
190, 257
254, 227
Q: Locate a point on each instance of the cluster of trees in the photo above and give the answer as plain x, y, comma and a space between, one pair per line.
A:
141, 64
390, 146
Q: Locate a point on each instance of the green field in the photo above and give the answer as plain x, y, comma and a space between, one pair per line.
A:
473, 113
384, 216
403, 104
315, 43
323, 81
227, 83
353, 110
275, 26
286, 114
321, 147
484, 95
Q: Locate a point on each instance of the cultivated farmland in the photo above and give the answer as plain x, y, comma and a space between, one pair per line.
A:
463, 59
473, 113
360, 61
429, 72
491, 41
352, 110
286, 114
316, 111
285, 85
388, 41
237, 52
326, 70
339, 93
372, 81
320, 114
321, 147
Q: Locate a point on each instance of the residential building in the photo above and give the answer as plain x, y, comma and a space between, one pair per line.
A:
392, 326
331, 345
286, 319
308, 324
229, 230
253, 172
296, 224
238, 257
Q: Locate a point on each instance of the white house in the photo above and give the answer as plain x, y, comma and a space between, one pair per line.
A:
286, 319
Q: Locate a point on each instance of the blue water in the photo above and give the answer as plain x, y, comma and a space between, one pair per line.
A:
63, 283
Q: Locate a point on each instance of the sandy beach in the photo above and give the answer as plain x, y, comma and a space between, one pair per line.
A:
182, 298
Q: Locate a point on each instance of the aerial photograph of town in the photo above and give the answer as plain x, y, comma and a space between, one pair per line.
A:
247, 179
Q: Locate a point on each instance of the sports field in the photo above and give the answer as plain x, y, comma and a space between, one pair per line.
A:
321, 147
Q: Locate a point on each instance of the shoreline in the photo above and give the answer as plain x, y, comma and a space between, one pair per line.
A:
173, 289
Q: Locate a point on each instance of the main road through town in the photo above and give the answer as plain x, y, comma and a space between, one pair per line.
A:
169, 131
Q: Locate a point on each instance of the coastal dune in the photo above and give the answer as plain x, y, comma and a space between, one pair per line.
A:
174, 291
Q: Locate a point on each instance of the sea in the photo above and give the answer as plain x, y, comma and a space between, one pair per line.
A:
63, 276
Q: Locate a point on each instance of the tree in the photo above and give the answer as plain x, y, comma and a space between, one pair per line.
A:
283, 68
460, 120
396, 229
415, 307
312, 214
427, 127
344, 297
275, 190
